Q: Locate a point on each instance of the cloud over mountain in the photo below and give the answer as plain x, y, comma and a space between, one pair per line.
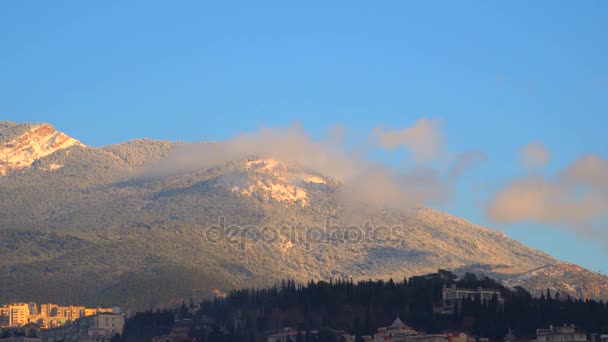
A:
423, 140
364, 181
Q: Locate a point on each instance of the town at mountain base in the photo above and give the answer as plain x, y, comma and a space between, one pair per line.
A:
101, 226
436, 307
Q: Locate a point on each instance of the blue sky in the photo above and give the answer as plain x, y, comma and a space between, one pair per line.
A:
499, 75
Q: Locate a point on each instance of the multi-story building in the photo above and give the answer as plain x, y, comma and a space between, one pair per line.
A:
33, 308
603, 338
45, 315
15, 314
52, 315
99, 327
565, 333
452, 297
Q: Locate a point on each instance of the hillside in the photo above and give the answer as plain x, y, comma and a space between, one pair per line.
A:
103, 228
568, 279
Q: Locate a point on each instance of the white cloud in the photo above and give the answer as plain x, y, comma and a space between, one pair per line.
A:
424, 140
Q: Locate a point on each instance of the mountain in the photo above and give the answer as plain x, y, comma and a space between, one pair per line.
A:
103, 226
565, 278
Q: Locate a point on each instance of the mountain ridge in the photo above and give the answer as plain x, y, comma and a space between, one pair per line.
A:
119, 225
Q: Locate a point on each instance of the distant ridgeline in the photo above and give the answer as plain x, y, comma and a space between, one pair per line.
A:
45, 315
425, 302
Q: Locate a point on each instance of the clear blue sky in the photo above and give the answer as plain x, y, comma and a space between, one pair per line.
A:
499, 75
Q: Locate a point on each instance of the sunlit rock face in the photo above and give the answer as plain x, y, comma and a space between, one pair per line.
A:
37, 142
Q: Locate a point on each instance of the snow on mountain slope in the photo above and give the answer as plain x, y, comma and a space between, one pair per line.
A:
37, 142
105, 222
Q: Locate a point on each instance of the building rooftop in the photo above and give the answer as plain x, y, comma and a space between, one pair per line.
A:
398, 323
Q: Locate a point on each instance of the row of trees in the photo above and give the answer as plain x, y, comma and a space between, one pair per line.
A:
363, 306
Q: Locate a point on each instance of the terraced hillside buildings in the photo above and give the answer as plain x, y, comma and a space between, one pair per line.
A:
45, 315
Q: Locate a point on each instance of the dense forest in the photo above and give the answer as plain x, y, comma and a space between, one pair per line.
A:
364, 306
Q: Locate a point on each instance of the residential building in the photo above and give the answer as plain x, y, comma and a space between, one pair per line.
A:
14, 314
53, 315
603, 338
33, 308
452, 297
92, 311
100, 327
46, 315
565, 333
